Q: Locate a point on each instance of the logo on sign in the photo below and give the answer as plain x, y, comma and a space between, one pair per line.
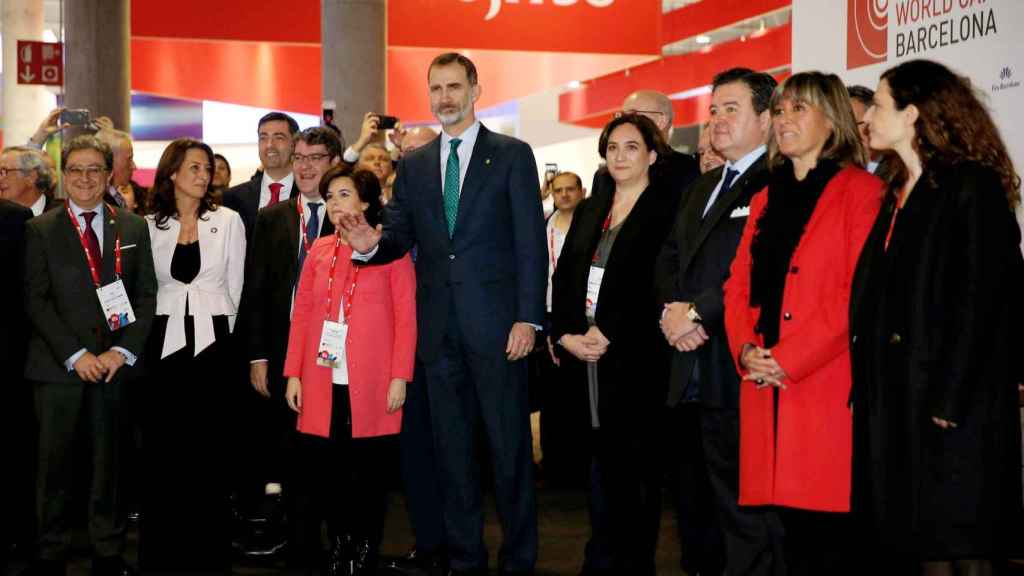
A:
495, 6
1006, 73
1006, 81
867, 32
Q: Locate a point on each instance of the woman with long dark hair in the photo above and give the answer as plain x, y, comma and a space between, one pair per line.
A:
786, 305
199, 257
935, 321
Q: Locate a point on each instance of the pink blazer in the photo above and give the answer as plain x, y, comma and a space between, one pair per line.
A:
381, 342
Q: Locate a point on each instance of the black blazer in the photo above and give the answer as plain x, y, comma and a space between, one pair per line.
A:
15, 326
60, 297
693, 266
632, 374
494, 269
245, 199
271, 273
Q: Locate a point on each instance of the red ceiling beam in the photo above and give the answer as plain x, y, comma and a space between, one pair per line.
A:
294, 21
597, 99
705, 17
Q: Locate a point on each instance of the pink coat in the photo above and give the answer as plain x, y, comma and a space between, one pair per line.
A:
381, 342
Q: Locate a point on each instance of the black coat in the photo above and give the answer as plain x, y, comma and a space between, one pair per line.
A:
633, 373
935, 324
15, 326
693, 266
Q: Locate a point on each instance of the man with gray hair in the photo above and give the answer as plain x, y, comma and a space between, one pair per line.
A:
27, 179
120, 186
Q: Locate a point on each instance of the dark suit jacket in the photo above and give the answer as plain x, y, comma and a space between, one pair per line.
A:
632, 374
245, 199
60, 296
693, 266
494, 269
15, 327
271, 273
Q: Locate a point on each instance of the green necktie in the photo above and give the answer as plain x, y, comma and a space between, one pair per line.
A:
451, 186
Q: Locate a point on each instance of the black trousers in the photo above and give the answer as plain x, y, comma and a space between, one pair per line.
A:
700, 534
340, 480
752, 535
18, 451
818, 542
469, 392
597, 555
420, 474
75, 417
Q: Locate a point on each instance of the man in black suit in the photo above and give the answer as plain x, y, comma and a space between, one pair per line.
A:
82, 351
273, 265
704, 388
16, 518
470, 202
275, 182
27, 179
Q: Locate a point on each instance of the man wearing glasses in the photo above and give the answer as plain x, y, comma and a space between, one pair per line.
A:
85, 263
275, 261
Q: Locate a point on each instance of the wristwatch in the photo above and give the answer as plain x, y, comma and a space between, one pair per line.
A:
692, 314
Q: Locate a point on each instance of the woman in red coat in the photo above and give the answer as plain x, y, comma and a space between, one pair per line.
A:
786, 304
350, 355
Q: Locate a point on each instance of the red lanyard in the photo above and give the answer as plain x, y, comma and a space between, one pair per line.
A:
93, 268
607, 224
347, 302
551, 246
302, 225
896, 207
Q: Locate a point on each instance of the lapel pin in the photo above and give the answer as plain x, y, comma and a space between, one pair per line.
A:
487, 161
213, 230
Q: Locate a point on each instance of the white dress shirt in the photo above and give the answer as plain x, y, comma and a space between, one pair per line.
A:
556, 240
39, 205
286, 185
465, 151
740, 166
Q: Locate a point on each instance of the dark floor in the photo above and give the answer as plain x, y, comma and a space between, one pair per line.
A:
563, 533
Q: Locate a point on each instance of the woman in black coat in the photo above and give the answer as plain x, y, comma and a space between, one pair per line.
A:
934, 329
613, 327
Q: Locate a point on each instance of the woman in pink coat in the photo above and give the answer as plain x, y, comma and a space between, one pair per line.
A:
350, 355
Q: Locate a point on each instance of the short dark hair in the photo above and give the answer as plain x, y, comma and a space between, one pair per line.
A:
161, 196
761, 85
862, 94
648, 131
222, 159
293, 126
367, 186
321, 135
87, 142
455, 58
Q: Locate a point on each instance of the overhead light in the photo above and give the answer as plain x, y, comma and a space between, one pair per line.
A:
703, 39
49, 36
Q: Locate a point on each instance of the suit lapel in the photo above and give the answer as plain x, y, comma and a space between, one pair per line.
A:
109, 238
724, 203
431, 192
480, 163
292, 226
75, 248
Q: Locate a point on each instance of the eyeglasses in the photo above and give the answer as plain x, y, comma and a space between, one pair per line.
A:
622, 113
300, 158
90, 171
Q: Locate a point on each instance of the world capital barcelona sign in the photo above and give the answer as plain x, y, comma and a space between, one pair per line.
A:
595, 26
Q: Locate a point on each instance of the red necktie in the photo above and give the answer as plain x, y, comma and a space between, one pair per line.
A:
92, 243
275, 193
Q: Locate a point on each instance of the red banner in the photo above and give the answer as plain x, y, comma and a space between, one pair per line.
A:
40, 63
594, 26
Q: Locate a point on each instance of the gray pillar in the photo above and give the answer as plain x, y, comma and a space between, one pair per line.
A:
352, 39
97, 57
25, 105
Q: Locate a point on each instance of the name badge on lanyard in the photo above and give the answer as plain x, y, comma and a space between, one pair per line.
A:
331, 351
593, 289
114, 301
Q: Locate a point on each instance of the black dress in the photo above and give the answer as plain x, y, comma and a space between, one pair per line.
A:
935, 331
184, 525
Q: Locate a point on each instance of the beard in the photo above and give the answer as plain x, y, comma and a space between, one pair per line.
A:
451, 116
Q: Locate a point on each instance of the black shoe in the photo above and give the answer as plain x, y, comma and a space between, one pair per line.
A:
44, 568
112, 566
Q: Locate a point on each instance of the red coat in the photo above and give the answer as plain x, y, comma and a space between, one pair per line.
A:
381, 342
805, 461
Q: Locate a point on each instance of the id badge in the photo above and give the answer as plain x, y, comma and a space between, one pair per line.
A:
331, 351
117, 309
593, 289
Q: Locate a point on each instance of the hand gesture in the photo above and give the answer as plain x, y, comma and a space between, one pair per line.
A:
112, 361
763, 369
359, 234
90, 368
366, 132
585, 347
49, 126
293, 395
396, 395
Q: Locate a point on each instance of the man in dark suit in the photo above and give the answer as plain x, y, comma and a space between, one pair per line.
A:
275, 182
470, 202
273, 265
27, 179
16, 518
704, 387
76, 362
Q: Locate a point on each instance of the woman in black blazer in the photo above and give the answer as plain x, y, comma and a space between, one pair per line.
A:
935, 324
611, 247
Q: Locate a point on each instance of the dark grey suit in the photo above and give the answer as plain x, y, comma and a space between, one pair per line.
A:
65, 315
470, 290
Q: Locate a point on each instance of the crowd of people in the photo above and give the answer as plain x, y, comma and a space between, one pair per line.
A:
803, 335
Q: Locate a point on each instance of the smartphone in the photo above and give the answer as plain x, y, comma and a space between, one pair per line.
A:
385, 122
550, 170
75, 117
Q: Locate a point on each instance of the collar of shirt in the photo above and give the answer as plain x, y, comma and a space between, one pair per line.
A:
286, 185
465, 150
745, 162
97, 222
39, 205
